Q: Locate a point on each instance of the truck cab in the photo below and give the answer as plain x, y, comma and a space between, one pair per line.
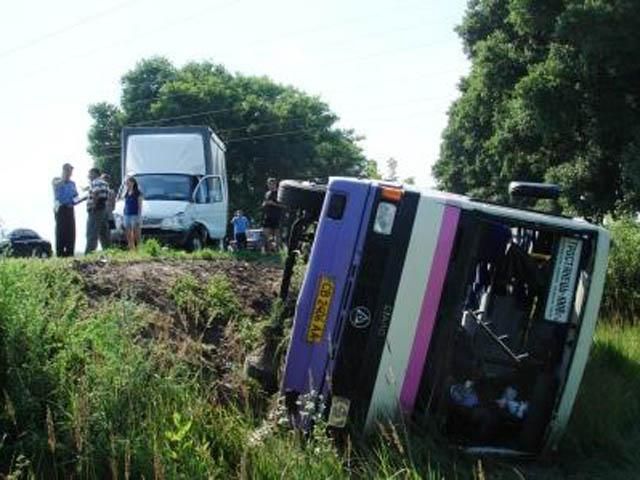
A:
181, 173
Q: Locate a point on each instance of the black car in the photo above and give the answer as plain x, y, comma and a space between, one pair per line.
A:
23, 242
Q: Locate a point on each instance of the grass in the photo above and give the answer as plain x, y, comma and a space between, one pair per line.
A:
86, 392
152, 249
604, 431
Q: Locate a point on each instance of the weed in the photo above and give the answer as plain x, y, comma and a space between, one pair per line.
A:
152, 247
205, 305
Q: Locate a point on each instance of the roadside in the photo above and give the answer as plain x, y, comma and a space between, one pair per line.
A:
132, 363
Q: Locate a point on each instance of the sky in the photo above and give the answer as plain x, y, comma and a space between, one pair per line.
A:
388, 68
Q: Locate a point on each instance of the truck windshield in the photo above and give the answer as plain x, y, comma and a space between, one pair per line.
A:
167, 186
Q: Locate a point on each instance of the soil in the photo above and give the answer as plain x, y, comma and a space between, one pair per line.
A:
216, 349
149, 282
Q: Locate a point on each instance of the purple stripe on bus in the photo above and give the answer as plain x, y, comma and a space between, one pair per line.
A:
429, 309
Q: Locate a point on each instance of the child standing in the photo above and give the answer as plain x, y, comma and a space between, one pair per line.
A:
240, 225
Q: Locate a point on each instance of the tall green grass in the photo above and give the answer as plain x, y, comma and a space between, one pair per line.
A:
621, 300
88, 392
604, 431
84, 393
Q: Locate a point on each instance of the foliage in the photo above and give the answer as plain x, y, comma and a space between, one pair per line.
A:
269, 129
392, 170
212, 303
85, 392
552, 95
621, 299
152, 249
371, 170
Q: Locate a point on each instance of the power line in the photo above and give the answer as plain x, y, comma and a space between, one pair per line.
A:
126, 41
198, 14
328, 27
160, 120
196, 94
172, 95
260, 137
223, 132
248, 138
116, 148
35, 41
180, 117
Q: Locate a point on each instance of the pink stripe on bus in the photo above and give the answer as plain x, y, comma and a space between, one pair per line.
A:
429, 310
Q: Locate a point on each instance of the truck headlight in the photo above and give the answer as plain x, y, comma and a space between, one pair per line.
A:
175, 222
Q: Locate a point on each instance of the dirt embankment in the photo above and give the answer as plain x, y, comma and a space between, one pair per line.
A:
217, 348
150, 281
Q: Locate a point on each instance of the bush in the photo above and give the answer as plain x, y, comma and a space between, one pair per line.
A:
621, 300
199, 304
152, 247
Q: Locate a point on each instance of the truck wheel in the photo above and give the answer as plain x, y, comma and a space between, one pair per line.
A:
196, 240
298, 195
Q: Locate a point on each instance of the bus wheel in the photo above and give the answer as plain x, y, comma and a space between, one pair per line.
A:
298, 195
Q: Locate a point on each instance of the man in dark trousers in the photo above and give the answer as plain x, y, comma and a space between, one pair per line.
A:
97, 214
66, 196
272, 212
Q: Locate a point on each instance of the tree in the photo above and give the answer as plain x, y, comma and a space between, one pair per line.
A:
269, 129
409, 180
371, 170
553, 95
104, 137
392, 170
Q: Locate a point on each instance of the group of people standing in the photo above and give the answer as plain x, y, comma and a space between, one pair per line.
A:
100, 200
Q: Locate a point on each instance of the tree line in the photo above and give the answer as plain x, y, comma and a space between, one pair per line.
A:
553, 95
269, 129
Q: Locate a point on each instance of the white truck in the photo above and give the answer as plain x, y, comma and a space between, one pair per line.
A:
181, 173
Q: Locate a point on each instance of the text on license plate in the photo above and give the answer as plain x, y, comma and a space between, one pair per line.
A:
320, 312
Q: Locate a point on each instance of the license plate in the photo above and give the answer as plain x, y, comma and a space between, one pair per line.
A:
339, 413
320, 313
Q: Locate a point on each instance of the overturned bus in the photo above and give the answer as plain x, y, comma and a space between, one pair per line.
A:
475, 315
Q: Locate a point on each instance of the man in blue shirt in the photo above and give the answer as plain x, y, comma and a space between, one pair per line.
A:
66, 196
240, 225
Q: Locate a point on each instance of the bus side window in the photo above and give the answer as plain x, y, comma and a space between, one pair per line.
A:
337, 202
385, 215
